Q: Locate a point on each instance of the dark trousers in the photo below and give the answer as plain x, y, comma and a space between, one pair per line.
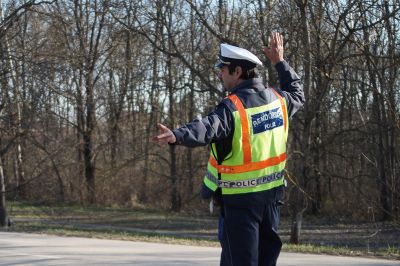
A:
248, 235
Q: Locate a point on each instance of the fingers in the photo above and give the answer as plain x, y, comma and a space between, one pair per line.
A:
165, 136
277, 40
165, 132
161, 127
275, 50
274, 39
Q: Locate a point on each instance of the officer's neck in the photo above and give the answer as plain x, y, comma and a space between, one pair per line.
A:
235, 85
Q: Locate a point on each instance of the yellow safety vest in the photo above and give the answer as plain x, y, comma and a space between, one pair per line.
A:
258, 157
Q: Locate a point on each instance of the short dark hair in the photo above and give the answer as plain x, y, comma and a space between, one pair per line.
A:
246, 73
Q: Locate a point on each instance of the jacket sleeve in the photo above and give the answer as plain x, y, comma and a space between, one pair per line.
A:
200, 132
291, 86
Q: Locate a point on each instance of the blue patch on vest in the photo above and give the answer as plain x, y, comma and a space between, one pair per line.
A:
267, 120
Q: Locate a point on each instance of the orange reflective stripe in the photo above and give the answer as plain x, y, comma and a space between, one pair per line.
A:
248, 165
252, 166
245, 128
283, 107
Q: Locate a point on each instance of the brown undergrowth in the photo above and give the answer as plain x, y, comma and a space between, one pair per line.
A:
317, 236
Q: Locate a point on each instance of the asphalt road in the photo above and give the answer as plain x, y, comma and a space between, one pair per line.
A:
35, 249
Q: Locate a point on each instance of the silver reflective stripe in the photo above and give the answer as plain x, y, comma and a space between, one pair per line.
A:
246, 183
211, 177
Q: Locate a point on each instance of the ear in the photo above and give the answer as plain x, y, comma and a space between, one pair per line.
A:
238, 71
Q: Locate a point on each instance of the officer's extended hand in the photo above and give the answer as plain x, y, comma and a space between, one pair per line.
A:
165, 136
275, 50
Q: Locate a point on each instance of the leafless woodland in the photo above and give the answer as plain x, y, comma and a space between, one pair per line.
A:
83, 84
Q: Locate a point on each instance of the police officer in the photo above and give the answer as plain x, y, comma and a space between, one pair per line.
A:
247, 133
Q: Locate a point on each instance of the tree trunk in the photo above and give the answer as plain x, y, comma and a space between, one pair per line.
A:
175, 179
3, 209
295, 231
393, 123
192, 106
306, 138
79, 139
89, 29
381, 155
88, 140
379, 126
143, 194
19, 173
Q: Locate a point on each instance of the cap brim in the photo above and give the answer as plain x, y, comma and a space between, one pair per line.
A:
221, 63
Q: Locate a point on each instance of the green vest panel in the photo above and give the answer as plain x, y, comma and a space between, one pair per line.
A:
258, 157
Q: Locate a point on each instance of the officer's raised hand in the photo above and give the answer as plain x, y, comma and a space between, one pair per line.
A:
165, 136
275, 50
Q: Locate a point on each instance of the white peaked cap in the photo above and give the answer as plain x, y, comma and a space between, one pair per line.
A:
234, 52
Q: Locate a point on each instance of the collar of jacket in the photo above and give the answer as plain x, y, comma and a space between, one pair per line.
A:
255, 84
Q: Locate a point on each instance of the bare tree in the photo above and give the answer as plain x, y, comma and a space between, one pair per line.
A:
83, 82
89, 19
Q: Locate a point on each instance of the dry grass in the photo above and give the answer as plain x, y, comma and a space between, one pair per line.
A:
379, 240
